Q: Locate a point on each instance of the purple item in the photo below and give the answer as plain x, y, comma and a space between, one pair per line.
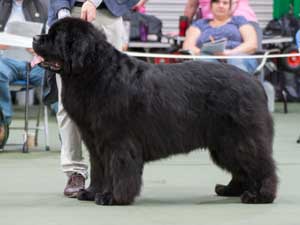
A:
143, 31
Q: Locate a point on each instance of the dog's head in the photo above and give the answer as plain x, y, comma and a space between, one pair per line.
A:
70, 45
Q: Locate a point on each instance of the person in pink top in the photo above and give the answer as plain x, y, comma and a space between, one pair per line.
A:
240, 8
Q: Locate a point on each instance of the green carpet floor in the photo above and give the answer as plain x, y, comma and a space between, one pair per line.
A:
176, 191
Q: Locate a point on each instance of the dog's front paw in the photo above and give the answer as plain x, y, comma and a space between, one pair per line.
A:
85, 195
228, 190
104, 198
249, 198
220, 189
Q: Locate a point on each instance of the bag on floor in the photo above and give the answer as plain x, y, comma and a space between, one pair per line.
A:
287, 81
292, 86
286, 26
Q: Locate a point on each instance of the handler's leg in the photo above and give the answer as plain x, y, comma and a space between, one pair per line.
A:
112, 27
72, 161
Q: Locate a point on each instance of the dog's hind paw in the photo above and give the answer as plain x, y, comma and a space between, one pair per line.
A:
253, 198
84, 195
104, 199
227, 190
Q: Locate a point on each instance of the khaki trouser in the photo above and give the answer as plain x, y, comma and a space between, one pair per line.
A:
71, 149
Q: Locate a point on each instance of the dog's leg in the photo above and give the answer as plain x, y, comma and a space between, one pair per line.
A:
96, 180
253, 169
127, 180
236, 186
126, 168
262, 184
259, 167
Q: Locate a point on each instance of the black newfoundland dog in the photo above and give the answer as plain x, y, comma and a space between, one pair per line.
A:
130, 112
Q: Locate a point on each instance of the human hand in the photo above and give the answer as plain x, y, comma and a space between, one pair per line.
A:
3, 47
88, 11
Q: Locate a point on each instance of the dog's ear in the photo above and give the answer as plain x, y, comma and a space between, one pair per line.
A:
80, 54
83, 51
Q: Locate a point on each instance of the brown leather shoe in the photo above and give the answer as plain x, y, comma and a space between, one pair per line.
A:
75, 183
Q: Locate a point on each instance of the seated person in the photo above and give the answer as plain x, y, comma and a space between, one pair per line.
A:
11, 69
239, 8
241, 36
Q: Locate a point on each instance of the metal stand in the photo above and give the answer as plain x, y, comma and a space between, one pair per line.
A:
25, 144
284, 98
45, 128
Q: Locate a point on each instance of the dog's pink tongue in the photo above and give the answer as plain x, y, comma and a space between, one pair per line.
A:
36, 60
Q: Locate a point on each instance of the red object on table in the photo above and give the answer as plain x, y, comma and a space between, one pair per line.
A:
183, 25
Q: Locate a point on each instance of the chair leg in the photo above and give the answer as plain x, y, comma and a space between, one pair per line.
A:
45, 114
46, 126
284, 97
46, 129
25, 144
37, 126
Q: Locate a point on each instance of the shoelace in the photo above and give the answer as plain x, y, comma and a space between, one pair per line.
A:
76, 180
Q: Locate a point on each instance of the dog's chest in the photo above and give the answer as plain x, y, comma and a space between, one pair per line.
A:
76, 100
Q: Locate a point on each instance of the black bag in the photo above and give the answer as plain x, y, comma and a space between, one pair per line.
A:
287, 81
273, 28
153, 23
292, 86
286, 26
50, 92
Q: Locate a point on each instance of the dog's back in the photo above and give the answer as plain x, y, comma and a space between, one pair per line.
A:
180, 107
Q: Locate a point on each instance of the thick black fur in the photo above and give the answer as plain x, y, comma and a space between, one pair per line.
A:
130, 112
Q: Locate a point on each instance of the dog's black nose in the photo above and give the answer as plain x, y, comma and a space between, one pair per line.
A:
36, 38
